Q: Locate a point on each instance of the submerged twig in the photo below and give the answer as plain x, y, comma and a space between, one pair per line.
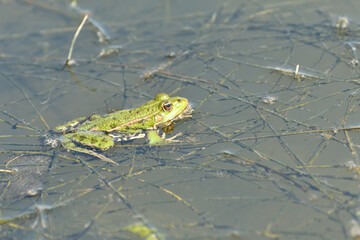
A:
78, 82
30, 102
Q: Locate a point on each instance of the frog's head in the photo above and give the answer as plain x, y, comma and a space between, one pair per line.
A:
171, 109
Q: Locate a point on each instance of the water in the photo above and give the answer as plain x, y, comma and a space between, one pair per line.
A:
270, 152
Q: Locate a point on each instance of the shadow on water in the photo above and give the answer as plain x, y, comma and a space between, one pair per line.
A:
271, 151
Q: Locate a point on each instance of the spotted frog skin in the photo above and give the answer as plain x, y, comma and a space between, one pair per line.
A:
101, 132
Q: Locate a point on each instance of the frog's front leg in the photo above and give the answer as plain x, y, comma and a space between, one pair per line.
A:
154, 138
70, 124
93, 140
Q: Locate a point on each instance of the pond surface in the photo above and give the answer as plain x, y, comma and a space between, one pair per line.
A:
271, 151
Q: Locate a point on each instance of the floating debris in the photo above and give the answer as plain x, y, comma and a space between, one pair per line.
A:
295, 73
269, 99
172, 54
151, 72
342, 23
351, 46
110, 50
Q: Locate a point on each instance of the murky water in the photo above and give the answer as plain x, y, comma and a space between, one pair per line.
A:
271, 151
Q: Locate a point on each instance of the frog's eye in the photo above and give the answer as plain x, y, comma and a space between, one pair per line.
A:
167, 106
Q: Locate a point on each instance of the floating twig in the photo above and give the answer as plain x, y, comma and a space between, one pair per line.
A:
68, 60
103, 36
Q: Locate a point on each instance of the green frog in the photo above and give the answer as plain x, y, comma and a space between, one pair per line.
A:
101, 132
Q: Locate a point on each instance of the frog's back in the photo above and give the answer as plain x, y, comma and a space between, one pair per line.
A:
136, 118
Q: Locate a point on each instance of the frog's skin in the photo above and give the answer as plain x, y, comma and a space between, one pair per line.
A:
101, 132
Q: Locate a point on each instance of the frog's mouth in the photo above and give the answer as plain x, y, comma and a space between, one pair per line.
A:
185, 114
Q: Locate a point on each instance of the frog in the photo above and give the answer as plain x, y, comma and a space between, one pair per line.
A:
90, 134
